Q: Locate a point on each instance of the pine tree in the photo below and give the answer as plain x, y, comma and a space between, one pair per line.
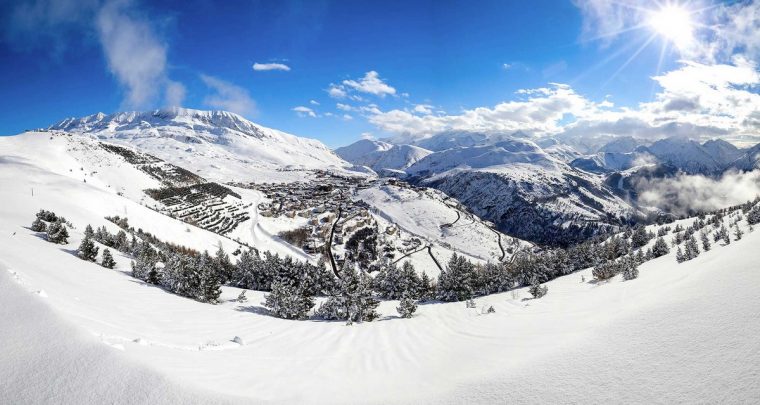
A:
88, 232
680, 256
753, 216
223, 265
120, 242
705, 241
723, 233
496, 278
39, 225
144, 265
691, 248
630, 268
288, 302
738, 232
457, 281
640, 237
426, 291
107, 261
606, 270
87, 249
352, 299
406, 307
392, 282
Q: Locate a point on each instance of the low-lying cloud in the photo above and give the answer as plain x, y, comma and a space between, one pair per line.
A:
686, 194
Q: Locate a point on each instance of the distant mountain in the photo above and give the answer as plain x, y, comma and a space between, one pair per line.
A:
478, 157
219, 145
523, 189
748, 160
453, 139
722, 151
381, 156
623, 144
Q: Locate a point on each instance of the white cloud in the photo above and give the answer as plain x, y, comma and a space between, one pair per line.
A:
425, 109
367, 135
371, 83
304, 111
336, 91
347, 117
696, 100
270, 66
313, 102
507, 66
539, 114
344, 107
685, 194
228, 97
604, 20
175, 94
135, 55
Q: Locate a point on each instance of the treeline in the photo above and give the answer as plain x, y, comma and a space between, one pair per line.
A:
293, 286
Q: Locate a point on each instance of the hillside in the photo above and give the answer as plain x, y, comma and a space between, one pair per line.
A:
664, 333
381, 156
218, 145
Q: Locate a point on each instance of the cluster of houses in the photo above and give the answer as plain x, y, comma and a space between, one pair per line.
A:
330, 210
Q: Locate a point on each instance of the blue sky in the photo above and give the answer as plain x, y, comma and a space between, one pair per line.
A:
67, 58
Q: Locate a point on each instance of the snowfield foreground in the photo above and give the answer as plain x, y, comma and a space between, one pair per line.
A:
75, 332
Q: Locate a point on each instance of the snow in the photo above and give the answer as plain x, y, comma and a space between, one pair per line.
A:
75, 332
439, 221
381, 156
48, 359
679, 333
217, 145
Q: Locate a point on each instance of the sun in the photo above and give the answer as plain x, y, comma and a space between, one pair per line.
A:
673, 23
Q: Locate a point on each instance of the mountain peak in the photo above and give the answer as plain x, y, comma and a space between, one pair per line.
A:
211, 121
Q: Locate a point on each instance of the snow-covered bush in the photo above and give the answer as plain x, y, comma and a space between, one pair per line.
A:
537, 290
606, 270
57, 233
38, 225
407, 307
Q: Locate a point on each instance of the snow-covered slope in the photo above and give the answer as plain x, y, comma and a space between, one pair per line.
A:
218, 145
680, 333
685, 154
380, 156
499, 154
525, 191
749, 160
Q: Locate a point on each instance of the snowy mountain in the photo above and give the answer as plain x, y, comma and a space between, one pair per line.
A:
218, 145
748, 160
452, 139
381, 156
524, 190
